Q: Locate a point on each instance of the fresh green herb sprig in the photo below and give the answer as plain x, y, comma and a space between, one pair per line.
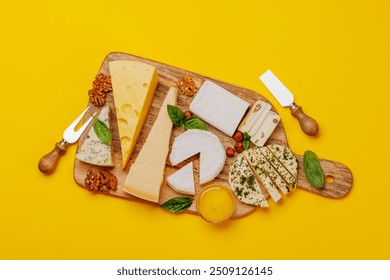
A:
102, 131
178, 118
313, 170
177, 204
246, 142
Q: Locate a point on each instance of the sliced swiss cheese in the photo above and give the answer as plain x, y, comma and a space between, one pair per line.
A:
212, 152
219, 107
260, 119
182, 181
244, 184
134, 84
266, 129
93, 150
146, 174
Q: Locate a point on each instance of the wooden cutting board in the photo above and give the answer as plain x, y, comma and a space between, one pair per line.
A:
340, 175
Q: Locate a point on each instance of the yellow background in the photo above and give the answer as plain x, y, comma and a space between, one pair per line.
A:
333, 55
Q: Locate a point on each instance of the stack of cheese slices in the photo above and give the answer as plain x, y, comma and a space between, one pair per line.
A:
263, 170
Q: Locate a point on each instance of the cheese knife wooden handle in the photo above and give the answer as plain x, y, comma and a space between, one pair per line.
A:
48, 163
308, 124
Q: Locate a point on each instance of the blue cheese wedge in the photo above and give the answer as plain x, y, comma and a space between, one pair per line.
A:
272, 159
286, 157
244, 184
182, 181
93, 150
253, 159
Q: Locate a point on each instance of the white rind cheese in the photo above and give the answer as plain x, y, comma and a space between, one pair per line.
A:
182, 181
266, 129
212, 152
219, 107
146, 174
258, 169
93, 150
244, 184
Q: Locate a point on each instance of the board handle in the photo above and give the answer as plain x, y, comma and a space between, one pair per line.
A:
338, 179
48, 163
308, 124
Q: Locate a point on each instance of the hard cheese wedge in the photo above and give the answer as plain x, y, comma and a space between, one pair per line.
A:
254, 113
134, 84
244, 184
219, 107
182, 181
93, 150
146, 174
212, 152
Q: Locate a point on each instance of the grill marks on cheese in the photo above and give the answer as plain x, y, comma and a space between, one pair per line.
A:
134, 84
269, 170
146, 174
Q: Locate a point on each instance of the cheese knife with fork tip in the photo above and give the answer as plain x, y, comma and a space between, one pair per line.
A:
284, 96
48, 162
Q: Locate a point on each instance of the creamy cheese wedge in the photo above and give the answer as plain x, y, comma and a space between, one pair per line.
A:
219, 107
146, 174
93, 150
182, 181
244, 184
212, 152
134, 84
252, 156
286, 157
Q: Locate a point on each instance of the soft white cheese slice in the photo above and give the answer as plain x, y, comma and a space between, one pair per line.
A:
219, 107
250, 118
93, 150
266, 129
212, 152
260, 119
182, 181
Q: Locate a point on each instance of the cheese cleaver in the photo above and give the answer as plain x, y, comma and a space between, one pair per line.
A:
286, 99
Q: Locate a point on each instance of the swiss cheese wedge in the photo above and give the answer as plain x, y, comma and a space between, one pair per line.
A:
146, 174
134, 84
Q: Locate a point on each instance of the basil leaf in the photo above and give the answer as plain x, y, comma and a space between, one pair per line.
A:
175, 114
193, 123
313, 170
246, 144
177, 204
246, 136
102, 131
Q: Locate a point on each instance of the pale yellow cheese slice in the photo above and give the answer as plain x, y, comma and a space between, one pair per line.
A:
147, 172
134, 84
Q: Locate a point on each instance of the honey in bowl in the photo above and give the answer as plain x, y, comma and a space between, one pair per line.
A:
216, 203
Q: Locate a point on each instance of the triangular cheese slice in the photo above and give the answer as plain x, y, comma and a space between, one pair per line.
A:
182, 181
133, 84
146, 174
93, 150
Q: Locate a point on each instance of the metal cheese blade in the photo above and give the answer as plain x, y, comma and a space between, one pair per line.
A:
282, 94
70, 135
